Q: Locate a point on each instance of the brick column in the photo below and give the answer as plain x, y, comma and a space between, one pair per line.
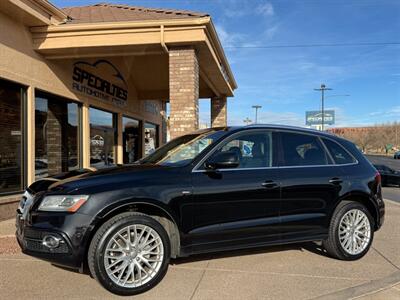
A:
57, 155
218, 112
183, 91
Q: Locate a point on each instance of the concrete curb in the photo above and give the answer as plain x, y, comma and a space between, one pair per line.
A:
370, 287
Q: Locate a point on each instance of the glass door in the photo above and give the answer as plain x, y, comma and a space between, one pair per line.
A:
102, 138
131, 137
150, 138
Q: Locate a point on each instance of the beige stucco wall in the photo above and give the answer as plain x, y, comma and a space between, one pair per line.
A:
20, 63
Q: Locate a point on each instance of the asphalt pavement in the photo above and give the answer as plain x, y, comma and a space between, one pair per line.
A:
385, 160
298, 271
391, 193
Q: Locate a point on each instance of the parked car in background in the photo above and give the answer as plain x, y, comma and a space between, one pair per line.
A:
213, 190
396, 155
389, 175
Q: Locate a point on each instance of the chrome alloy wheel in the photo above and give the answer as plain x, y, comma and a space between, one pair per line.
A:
354, 231
133, 256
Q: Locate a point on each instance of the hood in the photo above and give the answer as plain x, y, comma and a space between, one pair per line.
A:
83, 178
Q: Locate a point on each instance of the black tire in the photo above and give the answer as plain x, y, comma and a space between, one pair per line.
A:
102, 237
332, 244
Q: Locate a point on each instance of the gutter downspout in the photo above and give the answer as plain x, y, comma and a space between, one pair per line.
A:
163, 45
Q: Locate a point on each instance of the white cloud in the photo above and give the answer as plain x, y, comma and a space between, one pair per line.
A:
229, 39
242, 8
266, 9
392, 112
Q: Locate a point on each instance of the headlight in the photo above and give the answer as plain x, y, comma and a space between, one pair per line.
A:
63, 203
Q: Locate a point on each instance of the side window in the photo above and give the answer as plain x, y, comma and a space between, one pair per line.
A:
253, 149
339, 154
302, 150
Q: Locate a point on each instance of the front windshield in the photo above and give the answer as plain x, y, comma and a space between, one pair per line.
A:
182, 150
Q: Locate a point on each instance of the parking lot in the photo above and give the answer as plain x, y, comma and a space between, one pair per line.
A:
298, 271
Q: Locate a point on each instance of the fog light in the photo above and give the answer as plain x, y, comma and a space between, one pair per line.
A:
51, 241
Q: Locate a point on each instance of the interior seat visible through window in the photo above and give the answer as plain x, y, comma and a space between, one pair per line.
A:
302, 150
254, 150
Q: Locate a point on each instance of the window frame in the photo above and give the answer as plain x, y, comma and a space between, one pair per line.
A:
199, 167
277, 150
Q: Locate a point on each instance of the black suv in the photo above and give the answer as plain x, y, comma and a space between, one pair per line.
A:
213, 190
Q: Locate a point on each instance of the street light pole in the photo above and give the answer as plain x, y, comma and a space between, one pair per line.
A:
257, 107
323, 88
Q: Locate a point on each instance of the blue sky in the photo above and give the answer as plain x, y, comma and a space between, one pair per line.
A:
282, 79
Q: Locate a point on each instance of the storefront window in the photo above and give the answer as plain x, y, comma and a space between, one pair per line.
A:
131, 139
56, 135
150, 138
102, 138
11, 137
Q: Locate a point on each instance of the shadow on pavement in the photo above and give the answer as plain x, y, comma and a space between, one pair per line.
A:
310, 247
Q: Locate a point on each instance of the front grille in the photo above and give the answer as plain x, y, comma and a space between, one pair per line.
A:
34, 234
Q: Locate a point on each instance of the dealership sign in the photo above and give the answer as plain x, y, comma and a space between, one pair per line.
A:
97, 140
100, 80
315, 117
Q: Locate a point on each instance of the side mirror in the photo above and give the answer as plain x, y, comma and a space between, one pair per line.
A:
223, 160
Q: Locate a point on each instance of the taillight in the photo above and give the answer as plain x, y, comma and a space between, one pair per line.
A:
378, 178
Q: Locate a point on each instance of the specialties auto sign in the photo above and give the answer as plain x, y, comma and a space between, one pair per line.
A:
100, 80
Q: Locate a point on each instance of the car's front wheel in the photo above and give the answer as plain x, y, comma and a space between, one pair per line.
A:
351, 231
129, 254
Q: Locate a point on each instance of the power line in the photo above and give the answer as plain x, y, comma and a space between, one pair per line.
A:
313, 45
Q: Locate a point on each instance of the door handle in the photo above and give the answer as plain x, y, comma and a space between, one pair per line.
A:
335, 180
269, 184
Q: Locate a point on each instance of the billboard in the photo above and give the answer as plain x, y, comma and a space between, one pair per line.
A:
315, 117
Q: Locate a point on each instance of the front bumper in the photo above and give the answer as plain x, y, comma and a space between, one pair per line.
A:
71, 230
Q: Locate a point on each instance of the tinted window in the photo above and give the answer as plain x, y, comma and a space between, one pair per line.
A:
10, 137
56, 135
339, 154
302, 150
102, 138
254, 149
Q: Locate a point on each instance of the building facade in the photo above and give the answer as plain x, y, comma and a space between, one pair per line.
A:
88, 86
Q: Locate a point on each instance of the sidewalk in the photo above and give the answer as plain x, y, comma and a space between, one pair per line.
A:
287, 272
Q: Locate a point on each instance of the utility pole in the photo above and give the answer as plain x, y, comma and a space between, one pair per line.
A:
257, 107
247, 121
322, 89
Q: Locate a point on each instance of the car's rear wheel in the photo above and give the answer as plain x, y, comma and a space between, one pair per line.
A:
129, 254
351, 231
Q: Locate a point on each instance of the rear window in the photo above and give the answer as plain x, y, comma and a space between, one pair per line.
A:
302, 150
338, 153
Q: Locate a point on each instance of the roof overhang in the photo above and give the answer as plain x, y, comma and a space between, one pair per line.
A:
140, 38
33, 12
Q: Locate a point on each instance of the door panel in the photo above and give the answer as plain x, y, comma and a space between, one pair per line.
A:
309, 196
310, 185
235, 205
240, 203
